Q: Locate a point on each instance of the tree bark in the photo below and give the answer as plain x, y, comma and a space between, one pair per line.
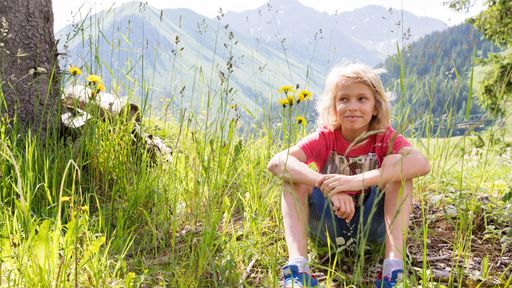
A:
29, 67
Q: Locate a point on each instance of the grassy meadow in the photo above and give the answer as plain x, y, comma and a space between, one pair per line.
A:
90, 208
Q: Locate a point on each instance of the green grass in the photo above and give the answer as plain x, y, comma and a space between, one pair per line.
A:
94, 210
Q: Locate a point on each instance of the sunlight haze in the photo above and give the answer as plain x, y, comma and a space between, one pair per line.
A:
66, 12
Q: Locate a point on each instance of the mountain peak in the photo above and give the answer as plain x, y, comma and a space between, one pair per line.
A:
285, 3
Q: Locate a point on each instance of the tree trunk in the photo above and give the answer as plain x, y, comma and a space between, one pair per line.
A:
29, 67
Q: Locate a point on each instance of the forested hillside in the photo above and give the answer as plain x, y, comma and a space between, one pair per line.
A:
435, 74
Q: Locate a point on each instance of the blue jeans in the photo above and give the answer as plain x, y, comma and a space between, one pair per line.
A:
368, 219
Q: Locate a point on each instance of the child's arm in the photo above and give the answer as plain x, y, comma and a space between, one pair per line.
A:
289, 165
407, 164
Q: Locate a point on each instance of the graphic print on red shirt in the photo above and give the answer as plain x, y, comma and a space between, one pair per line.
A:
318, 146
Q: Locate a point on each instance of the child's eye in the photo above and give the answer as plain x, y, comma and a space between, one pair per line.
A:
363, 99
342, 99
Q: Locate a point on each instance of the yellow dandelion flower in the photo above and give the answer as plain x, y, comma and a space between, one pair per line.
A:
74, 71
100, 87
283, 102
304, 95
286, 89
301, 121
93, 79
291, 99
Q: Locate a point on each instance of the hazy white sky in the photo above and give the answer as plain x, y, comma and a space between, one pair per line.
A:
65, 9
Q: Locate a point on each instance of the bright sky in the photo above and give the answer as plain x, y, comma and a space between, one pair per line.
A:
65, 9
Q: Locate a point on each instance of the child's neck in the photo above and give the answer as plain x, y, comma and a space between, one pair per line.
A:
354, 137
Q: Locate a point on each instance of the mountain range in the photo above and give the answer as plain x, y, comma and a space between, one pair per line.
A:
178, 58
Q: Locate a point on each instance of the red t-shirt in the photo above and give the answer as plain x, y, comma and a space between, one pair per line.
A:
318, 145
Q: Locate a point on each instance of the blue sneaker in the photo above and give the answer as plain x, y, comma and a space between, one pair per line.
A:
294, 278
389, 282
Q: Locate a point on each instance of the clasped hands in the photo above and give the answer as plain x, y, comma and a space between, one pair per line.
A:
333, 187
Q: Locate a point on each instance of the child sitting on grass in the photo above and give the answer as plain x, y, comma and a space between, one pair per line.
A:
369, 197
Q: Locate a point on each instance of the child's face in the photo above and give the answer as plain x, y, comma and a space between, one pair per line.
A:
355, 106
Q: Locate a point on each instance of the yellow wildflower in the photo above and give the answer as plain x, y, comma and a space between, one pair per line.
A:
301, 121
291, 99
100, 87
286, 89
129, 279
93, 79
283, 102
304, 95
74, 71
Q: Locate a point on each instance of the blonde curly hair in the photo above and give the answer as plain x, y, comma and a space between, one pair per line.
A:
359, 73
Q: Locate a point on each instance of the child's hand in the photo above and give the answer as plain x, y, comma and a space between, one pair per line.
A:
343, 206
331, 184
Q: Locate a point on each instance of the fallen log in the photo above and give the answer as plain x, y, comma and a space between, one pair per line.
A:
77, 100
